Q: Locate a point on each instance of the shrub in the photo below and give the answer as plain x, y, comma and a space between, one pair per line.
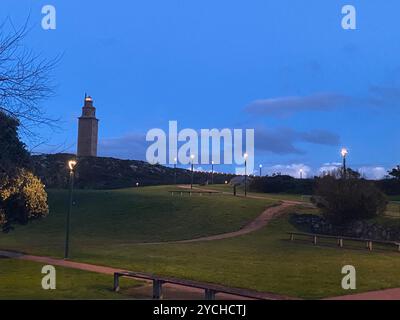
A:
22, 198
344, 200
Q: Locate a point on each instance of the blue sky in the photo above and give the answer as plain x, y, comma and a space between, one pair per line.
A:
285, 68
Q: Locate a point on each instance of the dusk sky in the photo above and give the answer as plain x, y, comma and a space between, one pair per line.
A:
285, 68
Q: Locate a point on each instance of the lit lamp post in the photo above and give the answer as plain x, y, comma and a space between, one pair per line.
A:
71, 165
175, 160
191, 181
212, 172
301, 173
344, 153
245, 173
260, 170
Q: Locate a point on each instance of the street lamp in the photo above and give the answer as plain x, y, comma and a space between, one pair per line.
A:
175, 160
212, 172
245, 173
191, 181
71, 166
301, 173
344, 153
260, 170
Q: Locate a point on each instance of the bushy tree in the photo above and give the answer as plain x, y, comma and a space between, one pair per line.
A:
395, 172
345, 199
13, 152
22, 198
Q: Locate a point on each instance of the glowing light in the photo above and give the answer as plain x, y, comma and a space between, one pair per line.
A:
260, 165
71, 164
344, 152
245, 156
192, 156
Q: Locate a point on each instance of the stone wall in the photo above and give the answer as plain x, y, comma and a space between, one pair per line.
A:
358, 229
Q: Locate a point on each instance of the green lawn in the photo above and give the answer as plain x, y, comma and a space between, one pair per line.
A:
108, 224
128, 216
22, 280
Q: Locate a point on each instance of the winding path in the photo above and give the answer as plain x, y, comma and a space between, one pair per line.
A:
261, 221
258, 223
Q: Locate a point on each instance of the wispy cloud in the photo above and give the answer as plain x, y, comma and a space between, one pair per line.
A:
375, 96
282, 140
285, 106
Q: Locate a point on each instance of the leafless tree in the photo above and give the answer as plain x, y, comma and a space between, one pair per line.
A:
25, 79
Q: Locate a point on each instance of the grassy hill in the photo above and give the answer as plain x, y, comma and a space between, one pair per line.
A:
107, 227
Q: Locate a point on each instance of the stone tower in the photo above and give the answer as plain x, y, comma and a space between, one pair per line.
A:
88, 130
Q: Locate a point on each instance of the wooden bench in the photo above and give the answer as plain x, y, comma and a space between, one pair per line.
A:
340, 239
190, 192
210, 290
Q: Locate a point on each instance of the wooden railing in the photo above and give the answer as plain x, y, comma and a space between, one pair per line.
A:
340, 239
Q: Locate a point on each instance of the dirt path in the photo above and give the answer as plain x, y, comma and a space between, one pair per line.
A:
386, 294
261, 221
258, 223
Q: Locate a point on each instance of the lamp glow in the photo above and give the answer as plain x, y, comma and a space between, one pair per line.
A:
71, 164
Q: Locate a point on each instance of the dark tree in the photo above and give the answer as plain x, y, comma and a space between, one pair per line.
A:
395, 172
13, 152
343, 200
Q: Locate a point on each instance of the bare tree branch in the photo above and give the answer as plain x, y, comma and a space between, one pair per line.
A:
25, 80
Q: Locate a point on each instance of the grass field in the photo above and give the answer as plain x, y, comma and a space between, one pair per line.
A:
108, 224
22, 280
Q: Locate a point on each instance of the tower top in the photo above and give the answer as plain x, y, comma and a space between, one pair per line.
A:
88, 109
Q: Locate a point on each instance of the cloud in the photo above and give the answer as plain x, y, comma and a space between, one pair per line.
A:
282, 140
293, 170
328, 167
381, 96
285, 106
375, 173
368, 172
131, 146
376, 96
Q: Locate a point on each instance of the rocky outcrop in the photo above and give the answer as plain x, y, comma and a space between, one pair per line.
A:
111, 173
357, 229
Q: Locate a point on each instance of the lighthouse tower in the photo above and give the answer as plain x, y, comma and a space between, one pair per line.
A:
88, 130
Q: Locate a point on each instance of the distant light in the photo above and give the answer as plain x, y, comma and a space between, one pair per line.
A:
212, 162
226, 182
175, 160
192, 156
344, 152
260, 165
137, 184
71, 164
245, 155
